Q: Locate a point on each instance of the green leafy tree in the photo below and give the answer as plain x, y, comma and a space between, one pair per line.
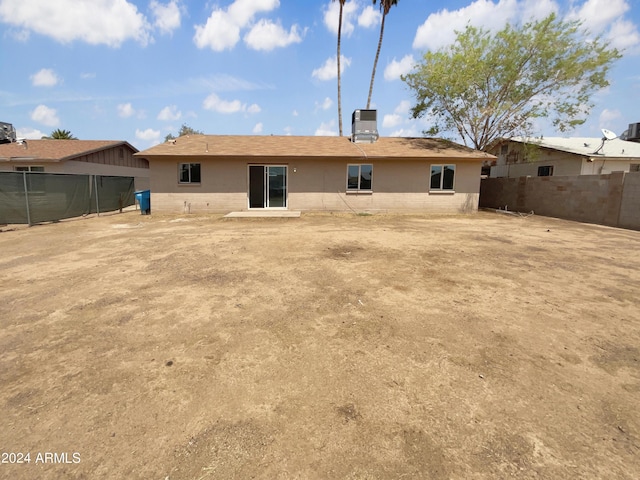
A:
184, 130
61, 135
385, 6
341, 2
485, 86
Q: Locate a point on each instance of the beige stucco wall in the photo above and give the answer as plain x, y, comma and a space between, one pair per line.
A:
314, 185
569, 166
525, 162
603, 167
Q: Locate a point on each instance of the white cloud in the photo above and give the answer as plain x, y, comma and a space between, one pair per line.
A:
45, 78
257, 129
605, 17
405, 132
222, 30
125, 110
325, 105
400, 116
99, 22
243, 11
390, 121
531, 10
397, 68
624, 35
267, 35
329, 70
167, 17
326, 129
332, 15
219, 33
45, 115
29, 133
439, 28
21, 35
295, 113
597, 15
369, 17
403, 107
218, 83
148, 135
87, 75
607, 117
216, 104
169, 113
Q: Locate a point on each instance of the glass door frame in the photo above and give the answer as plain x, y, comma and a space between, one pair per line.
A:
266, 197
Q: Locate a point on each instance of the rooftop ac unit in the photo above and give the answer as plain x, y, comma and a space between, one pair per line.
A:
7, 133
364, 126
633, 134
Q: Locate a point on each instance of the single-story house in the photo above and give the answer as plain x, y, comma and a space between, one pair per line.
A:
87, 157
547, 156
224, 173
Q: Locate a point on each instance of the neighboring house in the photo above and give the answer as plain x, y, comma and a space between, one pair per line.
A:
88, 157
212, 173
518, 157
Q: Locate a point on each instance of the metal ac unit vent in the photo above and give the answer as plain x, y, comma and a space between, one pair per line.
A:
364, 126
7, 133
633, 134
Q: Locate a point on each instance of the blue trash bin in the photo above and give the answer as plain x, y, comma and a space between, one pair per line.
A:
143, 197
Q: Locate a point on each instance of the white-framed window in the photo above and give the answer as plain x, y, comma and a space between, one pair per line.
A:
189, 173
29, 168
442, 178
359, 177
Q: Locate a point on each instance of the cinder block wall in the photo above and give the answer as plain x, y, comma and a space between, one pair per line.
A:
630, 207
612, 199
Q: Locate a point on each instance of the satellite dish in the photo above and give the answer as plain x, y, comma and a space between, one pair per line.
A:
607, 135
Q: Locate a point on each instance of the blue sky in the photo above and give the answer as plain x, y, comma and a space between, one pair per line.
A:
136, 70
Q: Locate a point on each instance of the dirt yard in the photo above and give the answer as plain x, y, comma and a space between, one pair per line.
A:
323, 347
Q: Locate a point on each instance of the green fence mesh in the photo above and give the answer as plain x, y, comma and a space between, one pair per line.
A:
34, 197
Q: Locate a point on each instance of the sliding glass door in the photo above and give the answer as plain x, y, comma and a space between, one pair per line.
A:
267, 186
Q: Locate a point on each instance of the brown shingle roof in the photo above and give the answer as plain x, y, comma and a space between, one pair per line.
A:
55, 150
311, 147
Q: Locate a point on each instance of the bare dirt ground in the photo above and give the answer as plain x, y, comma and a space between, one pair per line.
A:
329, 346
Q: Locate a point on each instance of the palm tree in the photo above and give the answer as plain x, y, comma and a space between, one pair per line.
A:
62, 135
342, 2
385, 6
